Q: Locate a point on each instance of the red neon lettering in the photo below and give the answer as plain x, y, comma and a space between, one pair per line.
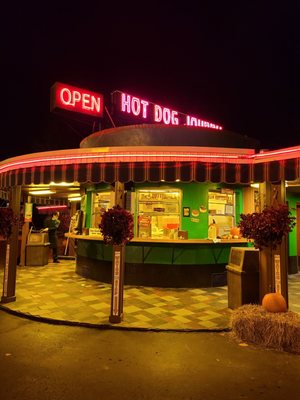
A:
75, 99
157, 113
62, 99
165, 115
134, 105
125, 102
174, 118
145, 105
192, 121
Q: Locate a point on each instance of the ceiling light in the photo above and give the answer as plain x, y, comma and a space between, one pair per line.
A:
40, 192
74, 198
65, 184
73, 195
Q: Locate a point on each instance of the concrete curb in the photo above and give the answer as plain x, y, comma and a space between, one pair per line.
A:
108, 326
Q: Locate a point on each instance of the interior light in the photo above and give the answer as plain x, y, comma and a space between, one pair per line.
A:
65, 184
41, 192
255, 185
74, 198
73, 195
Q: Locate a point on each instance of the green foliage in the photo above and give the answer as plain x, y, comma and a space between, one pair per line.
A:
267, 228
116, 226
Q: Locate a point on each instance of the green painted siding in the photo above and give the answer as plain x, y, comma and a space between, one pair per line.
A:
161, 253
293, 199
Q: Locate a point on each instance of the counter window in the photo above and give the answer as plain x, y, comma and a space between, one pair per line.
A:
221, 206
101, 202
158, 213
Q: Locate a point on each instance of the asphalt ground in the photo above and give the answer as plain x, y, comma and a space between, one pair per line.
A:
55, 362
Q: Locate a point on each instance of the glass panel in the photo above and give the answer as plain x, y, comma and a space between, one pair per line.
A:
221, 206
101, 201
158, 213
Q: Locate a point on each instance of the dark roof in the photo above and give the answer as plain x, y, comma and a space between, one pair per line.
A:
162, 135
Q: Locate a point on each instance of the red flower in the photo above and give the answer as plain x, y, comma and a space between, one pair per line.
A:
7, 221
116, 226
268, 227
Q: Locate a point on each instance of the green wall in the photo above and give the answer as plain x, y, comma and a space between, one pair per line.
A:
293, 199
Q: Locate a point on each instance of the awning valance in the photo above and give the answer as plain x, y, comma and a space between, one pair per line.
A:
154, 171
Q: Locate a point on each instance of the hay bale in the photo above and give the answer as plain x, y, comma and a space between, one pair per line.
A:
253, 324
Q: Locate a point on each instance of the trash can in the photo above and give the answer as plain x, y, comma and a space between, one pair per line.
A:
243, 276
37, 249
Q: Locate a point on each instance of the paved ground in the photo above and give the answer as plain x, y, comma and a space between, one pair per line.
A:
50, 362
55, 291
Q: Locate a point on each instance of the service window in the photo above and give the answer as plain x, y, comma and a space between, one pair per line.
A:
101, 202
221, 206
158, 213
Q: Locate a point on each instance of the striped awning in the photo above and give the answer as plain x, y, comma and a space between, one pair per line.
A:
154, 172
112, 166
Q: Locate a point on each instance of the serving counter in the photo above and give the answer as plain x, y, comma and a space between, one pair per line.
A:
159, 263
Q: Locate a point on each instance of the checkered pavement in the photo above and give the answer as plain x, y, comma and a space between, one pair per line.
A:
56, 292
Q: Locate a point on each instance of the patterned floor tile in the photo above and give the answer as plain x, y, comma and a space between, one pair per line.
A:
56, 291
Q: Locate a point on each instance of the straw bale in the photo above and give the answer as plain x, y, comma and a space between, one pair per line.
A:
253, 324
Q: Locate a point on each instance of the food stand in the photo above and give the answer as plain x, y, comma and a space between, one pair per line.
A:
202, 174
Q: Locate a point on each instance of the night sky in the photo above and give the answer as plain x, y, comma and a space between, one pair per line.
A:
237, 65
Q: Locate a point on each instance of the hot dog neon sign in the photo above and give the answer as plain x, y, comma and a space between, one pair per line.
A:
154, 113
84, 101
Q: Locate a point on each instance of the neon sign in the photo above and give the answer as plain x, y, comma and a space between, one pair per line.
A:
75, 99
146, 111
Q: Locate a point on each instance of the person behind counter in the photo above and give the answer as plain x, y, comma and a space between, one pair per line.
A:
51, 224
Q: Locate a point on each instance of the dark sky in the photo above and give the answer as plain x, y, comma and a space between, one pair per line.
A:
236, 64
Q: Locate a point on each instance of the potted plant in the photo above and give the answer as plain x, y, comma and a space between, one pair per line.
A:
117, 229
7, 221
267, 230
116, 226
268, 227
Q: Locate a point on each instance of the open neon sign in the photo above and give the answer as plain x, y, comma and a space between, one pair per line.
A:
75, 99
149, 112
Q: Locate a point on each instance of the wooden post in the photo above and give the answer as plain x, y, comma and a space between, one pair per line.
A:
270, 194
116, 309
118, 267
10, 269
119, 194
25, 232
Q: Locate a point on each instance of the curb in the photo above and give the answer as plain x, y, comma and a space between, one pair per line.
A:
53, 321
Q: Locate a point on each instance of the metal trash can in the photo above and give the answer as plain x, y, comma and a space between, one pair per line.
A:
37, 249
243, 276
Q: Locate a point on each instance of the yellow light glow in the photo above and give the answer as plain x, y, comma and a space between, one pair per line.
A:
74, 198
41, 192
73, 195
64, 184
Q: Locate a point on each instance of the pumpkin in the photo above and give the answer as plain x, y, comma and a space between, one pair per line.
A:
274, 302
